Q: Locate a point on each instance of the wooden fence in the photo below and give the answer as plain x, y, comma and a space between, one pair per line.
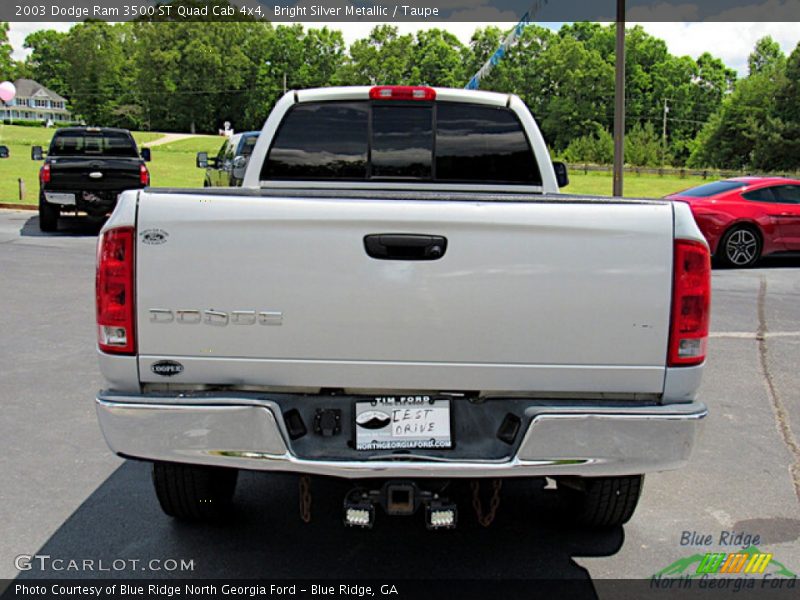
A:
682, 173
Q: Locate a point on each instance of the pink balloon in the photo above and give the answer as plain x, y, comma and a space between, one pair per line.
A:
7, 91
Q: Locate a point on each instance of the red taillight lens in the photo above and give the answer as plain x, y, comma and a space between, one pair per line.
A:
144, 175
691, 304
44, 174
402, 92
114, 287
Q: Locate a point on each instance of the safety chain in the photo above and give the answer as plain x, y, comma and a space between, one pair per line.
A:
305, 498
486, 519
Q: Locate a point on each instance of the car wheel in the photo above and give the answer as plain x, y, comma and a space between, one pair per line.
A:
599, 502
740, 247
48, 215
194, 493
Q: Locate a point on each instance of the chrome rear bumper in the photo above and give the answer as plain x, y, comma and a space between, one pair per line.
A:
249, 433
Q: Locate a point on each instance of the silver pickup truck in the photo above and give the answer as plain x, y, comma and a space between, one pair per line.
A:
398, 295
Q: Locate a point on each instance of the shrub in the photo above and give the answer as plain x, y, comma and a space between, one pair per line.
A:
597, 148
643, 147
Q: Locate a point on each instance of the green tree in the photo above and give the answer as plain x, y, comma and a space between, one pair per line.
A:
568, 85
482, 45
323, 56
651, 74
295, 57
778, 148
767, 56
47, 63
692, 90
196, 75
597, 148
97, 70
739, 135
438, 56
7, 64
385, 57
643, 147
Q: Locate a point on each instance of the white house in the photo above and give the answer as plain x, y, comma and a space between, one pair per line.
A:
34, 102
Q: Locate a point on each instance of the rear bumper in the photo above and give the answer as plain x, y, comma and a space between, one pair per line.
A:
102, 201
249, 433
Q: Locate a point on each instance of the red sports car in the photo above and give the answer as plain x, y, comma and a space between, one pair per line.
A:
746, 218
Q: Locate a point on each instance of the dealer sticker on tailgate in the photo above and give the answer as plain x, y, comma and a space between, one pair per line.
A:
402, 422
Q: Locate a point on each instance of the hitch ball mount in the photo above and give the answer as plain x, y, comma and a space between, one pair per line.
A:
398, 498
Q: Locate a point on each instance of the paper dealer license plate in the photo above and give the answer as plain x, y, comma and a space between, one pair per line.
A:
402, 422
56, 198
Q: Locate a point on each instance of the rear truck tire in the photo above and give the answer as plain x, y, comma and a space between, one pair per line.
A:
740, 247
600, 502
194, 493
48, 215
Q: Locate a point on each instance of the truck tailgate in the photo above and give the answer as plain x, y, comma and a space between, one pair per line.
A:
541, 296
102, 173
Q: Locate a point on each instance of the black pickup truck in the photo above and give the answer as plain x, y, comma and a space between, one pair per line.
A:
85, 169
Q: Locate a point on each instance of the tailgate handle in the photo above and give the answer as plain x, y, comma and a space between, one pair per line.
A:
405, 246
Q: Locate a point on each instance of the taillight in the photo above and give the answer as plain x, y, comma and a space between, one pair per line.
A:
144, 175
691, 304
114, 288
44, 173
402, 92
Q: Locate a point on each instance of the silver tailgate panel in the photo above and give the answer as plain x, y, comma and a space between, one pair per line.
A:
551, 296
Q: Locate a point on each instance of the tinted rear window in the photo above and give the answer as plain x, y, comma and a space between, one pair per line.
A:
402, 141
320, 141
712, 189
79, 143
481, 143
450, 142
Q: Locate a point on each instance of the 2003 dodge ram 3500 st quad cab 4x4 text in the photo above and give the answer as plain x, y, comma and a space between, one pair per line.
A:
398, 295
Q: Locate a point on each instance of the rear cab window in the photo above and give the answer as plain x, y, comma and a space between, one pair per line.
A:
320, 141
92, 143
401, 141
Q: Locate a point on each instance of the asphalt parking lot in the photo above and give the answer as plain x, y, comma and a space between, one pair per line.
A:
64, 495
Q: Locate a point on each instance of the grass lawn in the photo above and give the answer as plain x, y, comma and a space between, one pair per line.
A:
19, 141
634, 186
193, 145
173, 165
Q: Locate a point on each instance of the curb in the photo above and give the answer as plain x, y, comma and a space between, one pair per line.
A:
18, 206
